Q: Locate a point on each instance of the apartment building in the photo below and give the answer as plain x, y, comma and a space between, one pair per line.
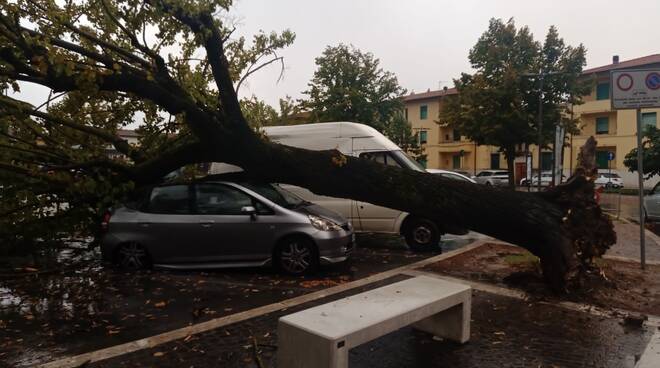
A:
445, 148
615, 130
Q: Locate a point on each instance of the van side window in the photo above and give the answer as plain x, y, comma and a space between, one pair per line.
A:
381, 157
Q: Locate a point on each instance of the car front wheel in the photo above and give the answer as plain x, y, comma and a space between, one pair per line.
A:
422, 235
296, 256
133, 256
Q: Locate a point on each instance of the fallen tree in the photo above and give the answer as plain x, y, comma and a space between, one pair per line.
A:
99, 58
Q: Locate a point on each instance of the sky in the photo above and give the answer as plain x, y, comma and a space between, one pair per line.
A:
426, 42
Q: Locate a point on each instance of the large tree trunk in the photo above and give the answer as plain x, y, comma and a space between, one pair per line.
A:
564, 226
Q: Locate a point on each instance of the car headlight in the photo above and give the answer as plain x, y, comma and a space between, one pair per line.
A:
323, 224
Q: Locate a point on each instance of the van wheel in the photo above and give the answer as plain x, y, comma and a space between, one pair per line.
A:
296, 256
133, 256
422, 235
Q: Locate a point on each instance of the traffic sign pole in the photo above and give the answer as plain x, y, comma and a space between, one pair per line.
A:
636, 89
640, 173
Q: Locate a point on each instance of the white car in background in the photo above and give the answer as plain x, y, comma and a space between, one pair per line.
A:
492, 177
609, 180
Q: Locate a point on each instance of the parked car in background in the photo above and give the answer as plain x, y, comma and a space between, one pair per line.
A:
609, 180
462, 172
357, 140
546, 179
652, 204
451, 175
492, 177
215, 224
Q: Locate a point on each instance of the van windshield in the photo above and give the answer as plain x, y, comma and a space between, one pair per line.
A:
406, 161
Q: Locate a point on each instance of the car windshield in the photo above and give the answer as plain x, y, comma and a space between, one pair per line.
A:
276, 194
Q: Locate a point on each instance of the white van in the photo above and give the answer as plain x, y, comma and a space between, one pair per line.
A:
356, 140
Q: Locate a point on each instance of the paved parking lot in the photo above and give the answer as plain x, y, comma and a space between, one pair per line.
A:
48, 316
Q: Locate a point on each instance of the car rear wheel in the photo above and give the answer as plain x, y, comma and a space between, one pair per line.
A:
422, 235
296, 256
133, 256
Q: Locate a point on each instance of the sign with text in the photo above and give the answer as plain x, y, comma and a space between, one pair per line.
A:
635, 89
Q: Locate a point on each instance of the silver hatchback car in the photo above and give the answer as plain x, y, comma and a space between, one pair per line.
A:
224, 224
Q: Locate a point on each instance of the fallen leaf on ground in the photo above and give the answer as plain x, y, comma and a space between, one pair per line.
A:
160, 304
159, 354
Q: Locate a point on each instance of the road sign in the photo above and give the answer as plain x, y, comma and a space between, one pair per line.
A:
635, 89
610, 156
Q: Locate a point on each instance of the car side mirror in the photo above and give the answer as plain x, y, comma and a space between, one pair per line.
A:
249, 210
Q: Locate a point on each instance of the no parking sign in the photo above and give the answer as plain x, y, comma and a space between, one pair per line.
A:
635, 89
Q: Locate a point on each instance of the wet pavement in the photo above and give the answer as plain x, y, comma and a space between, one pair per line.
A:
86, 306
506, 332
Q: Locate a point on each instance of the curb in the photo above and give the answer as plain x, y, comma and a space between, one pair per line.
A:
653, 321
152, 341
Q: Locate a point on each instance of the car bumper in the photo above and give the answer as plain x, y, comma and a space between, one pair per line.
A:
336, 249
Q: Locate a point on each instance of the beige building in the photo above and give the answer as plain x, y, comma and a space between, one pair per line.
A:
614, 130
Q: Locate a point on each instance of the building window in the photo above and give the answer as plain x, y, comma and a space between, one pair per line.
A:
423, 136
495, 161
405, 112
423, 112
457, 136
456, 162
602, 125
546, 161
603, 91
649, 119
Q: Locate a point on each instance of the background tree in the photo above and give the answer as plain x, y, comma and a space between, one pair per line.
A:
350, 85
104, 71
257, 112
498, 104
650, 153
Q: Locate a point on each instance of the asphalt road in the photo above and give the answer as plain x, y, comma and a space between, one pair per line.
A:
92, 306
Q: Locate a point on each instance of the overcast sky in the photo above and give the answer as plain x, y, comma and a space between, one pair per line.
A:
426, 42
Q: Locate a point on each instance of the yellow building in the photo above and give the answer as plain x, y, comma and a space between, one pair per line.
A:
614, 130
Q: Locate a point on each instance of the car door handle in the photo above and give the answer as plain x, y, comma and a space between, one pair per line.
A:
206, 223
144, 224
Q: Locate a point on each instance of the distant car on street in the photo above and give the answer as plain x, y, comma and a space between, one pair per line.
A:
451, 175
492, 177
609, 180
216, 224
652, 204
546, 179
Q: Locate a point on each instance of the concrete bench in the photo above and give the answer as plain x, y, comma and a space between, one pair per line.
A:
320, 337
